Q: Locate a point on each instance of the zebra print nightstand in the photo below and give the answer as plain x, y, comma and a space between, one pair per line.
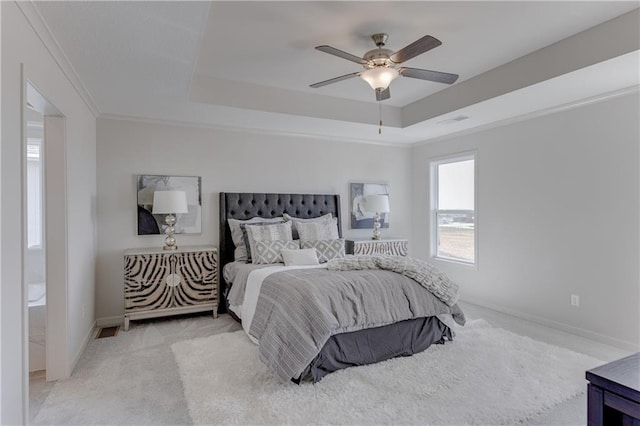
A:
391, 246
161, 283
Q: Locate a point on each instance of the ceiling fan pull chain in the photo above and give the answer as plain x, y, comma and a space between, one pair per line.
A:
380, 125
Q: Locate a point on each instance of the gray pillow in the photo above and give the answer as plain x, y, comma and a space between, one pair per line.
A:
326, 249
322, 230
245, 237
240, 254
295, 220
271, 251
276, 231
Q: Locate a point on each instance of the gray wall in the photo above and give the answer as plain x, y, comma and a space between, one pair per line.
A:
558, 215
230, 162
558, 205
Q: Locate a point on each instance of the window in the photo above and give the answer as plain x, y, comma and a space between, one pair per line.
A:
34, 192
453, 201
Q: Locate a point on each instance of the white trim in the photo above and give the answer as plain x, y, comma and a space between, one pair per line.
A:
531, 115
110, 321
85, 342
2, 199
602, 338
24, 302
239, 129
58, 357
433, 162
40, 27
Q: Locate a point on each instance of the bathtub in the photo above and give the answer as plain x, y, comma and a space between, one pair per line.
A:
37, 326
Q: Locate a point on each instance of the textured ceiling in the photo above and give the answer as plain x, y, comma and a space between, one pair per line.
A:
249, 64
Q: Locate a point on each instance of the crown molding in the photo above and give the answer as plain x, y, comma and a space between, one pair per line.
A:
535, 114
38, 24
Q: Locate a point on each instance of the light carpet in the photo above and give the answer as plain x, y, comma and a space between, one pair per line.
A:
487, 375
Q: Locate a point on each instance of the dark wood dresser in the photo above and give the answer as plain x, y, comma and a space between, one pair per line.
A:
614, 393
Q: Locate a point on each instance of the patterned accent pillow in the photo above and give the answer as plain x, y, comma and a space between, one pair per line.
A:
327, 249
295, 220
240, 253
245, 237
271, 251
314, 231
277, 231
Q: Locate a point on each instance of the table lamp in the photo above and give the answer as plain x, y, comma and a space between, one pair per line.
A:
169, 203
376, 204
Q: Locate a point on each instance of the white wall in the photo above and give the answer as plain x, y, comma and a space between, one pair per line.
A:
558, 215
21, 45
227, 162
1, 234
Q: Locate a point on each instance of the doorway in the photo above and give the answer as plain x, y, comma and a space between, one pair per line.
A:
45, 274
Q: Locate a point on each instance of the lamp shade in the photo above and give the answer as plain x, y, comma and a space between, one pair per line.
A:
379, 77
170, 202
377, 203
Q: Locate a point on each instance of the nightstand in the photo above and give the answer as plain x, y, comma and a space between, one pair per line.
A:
390, 246
160, 282
613, 394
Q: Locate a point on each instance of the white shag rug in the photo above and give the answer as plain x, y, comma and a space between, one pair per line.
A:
487, 375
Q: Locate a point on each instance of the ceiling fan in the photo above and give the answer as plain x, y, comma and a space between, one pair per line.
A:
381, 64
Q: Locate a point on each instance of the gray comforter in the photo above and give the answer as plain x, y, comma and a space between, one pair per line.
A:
298, 310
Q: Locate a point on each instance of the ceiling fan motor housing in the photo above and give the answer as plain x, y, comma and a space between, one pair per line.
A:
378, 58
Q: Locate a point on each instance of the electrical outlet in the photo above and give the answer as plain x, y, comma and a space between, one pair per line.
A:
575, 300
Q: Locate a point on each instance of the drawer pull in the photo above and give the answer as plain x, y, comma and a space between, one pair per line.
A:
173, 280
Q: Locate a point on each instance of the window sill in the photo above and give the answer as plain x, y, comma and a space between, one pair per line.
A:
470, 265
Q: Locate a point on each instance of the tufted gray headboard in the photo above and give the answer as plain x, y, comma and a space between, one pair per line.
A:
245, 205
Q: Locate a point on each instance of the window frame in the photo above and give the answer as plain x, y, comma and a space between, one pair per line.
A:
434, 162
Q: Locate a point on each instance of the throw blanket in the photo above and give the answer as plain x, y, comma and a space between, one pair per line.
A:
427, 276
298, 310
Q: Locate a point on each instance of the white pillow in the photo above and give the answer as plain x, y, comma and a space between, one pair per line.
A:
277, 231
300, 257
240, 254
314, 231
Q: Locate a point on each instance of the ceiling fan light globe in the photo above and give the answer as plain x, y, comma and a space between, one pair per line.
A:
380, 77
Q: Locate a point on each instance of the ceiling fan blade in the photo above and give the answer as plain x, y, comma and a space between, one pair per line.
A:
334, 80
339, 53
381, 95
437, 76
416, 48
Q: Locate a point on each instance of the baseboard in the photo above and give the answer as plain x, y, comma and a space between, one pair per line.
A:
110, 321
601, 338
87, 338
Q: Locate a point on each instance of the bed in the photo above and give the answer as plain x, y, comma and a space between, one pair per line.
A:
343, 329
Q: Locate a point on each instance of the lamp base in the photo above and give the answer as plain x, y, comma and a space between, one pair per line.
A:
170, 241
376, 227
